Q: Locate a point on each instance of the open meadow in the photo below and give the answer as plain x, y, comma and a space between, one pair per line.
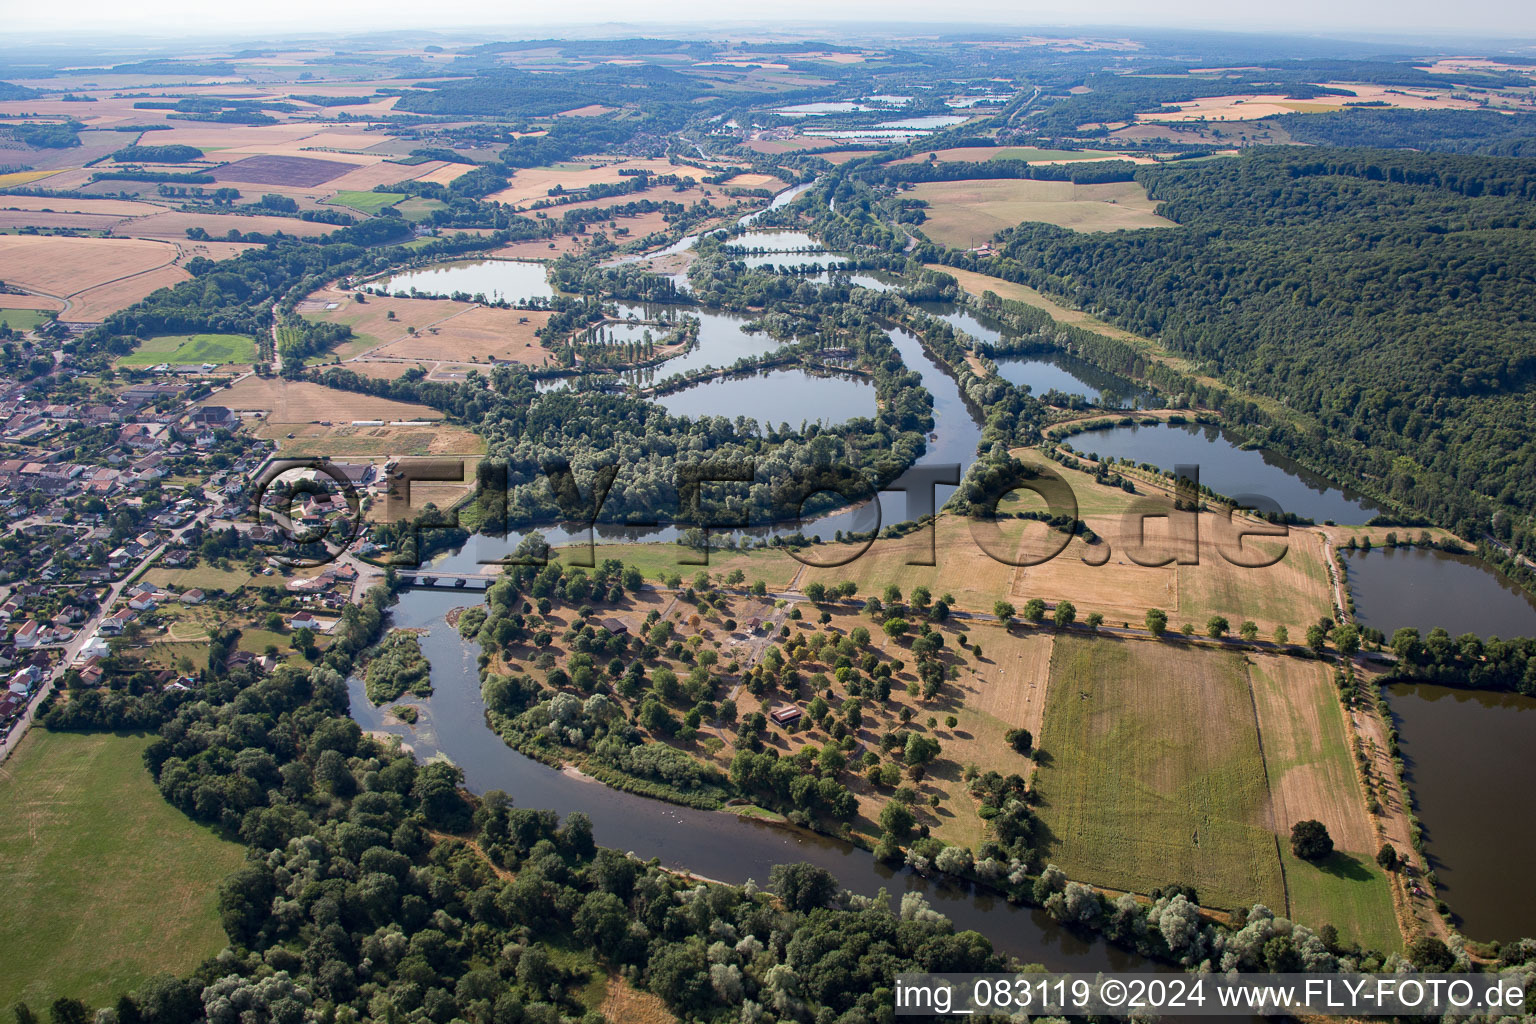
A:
1312, 776
184, 349
105, 884
1153, 773
964, 214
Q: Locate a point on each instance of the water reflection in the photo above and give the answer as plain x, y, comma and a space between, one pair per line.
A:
1229, 469
1468, 755
1426, 587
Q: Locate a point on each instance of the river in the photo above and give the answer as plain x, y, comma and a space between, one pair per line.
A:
715, 845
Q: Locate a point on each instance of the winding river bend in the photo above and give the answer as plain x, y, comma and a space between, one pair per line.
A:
715, 845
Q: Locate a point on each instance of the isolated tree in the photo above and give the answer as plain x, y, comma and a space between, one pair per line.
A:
1249, 630
1310, 840
897, 820
1034, 609
1282, 635
1347, 639
1093, 621
1157, 621
1317, 639
1216, 627
1387, 857
1020, 740
1066, 614
1004, 612
817, 592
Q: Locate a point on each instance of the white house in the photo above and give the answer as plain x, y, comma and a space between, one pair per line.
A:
27, 636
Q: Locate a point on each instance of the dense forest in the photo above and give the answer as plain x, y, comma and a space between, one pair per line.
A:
1451, 131
1401, 329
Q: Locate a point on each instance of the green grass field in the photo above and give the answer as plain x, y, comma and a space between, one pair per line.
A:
419, 208
367, 202
23, 319
774, 568
192, 349
1348, 891
105, 884
1153, 772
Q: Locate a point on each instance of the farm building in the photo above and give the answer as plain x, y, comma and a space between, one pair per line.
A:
784, 716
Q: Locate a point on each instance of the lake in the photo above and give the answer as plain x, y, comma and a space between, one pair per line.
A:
1229, 469
1427, 587
1468, 759
1041, 372
788, 396
721, 339
512, 280
771, 240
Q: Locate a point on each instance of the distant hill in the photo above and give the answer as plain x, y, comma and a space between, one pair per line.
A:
17, 92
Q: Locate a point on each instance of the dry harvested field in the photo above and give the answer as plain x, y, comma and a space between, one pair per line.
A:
1012, 678
440, 174
1239, 108
215, 250
96, 304
590, 110
78, 221
118, 208
1305, 745
67, 266
533, 183
214, 138
540, 248
364, 178
754, 180
975, 579
1153, 772
964, 214
479, 334
1104, 577
378, 444
173, 225
975, 154
659, 194
292, 171
9, 301
371, 320
300, 402
842, 156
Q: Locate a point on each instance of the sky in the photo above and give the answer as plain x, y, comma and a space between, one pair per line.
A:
1496, 19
